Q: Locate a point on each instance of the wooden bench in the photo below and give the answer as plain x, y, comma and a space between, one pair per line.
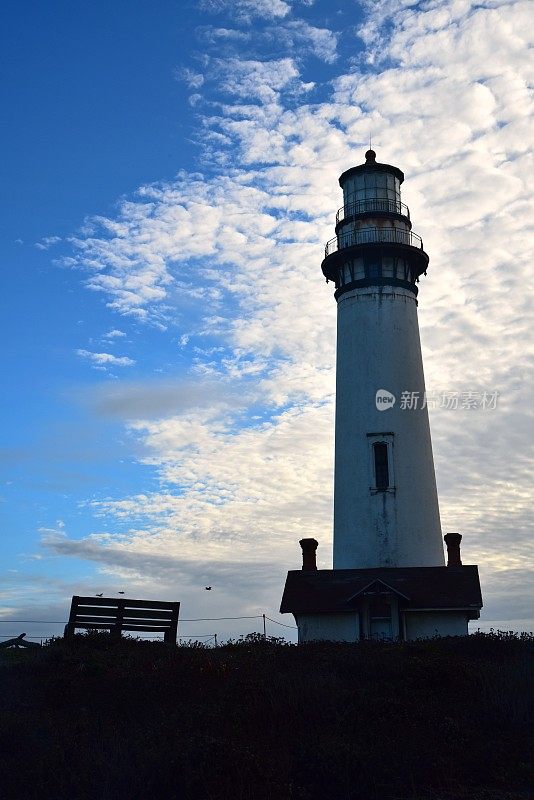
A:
118, 614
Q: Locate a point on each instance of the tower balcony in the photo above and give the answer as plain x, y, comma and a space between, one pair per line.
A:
365, 236
372, 205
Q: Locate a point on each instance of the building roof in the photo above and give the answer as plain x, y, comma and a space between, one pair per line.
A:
328, 590
371, 166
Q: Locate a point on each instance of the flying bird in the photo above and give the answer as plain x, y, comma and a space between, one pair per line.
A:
120, 592
208, 588
100, 595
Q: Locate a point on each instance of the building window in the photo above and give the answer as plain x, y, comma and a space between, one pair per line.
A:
381, 472
373, 269
380, 452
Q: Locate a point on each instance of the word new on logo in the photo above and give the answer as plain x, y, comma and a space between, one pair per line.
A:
384, 400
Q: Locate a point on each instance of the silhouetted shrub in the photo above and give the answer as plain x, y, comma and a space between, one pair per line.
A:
96, 719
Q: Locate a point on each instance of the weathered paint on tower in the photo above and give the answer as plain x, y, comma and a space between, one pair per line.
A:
385, 500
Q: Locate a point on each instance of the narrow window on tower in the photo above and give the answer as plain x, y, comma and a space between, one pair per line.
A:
381, 462
380, 452
373, 266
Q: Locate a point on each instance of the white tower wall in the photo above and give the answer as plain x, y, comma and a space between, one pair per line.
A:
378, 347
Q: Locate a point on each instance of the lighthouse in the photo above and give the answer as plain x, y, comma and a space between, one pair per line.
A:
389, 577
385, 499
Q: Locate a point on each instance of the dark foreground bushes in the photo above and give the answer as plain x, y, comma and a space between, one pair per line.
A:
447, 719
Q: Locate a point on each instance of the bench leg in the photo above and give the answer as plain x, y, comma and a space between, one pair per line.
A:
69, 631
169, 637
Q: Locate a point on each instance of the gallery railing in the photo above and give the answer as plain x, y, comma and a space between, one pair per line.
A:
373, 236
372, 204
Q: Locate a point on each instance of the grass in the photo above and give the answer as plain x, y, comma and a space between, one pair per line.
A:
93, 719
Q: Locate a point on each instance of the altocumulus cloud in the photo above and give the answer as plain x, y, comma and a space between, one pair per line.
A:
294, 36
247, 10
106, 359
444, 88
114, 333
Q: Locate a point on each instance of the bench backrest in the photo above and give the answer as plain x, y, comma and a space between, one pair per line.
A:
120, 614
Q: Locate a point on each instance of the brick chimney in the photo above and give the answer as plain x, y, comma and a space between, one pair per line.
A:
452, 540
309, 546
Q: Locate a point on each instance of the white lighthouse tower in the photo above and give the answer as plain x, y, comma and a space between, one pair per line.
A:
385, 502
389, 577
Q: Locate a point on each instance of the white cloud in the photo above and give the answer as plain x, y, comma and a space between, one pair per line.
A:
193, 79
242, 491
106, 359
247, 10
114, 333
47, 242
255, 80
322, 42
244, 249
296, 37
212, 35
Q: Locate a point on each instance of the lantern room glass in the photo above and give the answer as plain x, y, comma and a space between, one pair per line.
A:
372, 185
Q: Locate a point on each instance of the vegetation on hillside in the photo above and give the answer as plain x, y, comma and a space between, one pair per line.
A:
94, 719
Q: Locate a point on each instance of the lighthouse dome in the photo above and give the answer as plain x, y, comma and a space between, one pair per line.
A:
371, 181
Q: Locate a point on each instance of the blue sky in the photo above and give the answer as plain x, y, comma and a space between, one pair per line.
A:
170, 180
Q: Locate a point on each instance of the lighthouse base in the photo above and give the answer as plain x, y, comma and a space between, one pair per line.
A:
399, 604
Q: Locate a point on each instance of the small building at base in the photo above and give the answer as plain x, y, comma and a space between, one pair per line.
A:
402, 603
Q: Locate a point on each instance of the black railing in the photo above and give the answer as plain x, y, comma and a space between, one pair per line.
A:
372, 236
372, 204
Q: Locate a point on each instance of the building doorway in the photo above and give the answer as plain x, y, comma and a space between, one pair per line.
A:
380, 618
